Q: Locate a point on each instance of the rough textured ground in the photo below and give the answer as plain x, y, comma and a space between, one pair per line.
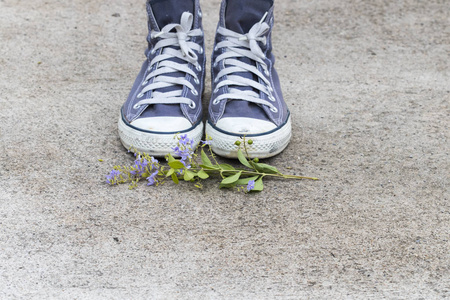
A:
368, 85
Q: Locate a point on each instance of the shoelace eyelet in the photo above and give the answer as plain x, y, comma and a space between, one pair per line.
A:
274, 109
215, 102
194, 92
266, 71
200, 51
140, 95
196, 81
144, 83
272, 98
192, 105
136, 106
199, 13
153, 51
198, 68
216, 90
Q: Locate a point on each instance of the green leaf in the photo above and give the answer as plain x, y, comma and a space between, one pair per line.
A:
209, 167
205, 159
188, 175
264, 168
175, 178
242, 159
227, 167
244, 181
231, 179
202, 174
171, 159
170, 172
176, 164
259, 186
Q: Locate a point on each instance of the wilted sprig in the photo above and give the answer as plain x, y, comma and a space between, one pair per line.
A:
187, 168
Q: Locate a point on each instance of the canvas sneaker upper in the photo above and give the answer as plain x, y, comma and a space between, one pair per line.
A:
246, 94
165, 99
166, 95
245, 82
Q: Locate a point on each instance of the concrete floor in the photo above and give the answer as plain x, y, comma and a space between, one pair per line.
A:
368, 85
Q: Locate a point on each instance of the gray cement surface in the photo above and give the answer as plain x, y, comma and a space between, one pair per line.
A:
368, 85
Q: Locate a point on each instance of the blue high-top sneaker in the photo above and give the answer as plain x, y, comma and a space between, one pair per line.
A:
166, 96
246, 96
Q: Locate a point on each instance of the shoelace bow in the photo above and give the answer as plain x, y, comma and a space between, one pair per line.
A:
176, 45
244, 45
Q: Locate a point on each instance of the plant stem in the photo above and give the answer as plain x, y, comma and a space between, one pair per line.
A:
246, 172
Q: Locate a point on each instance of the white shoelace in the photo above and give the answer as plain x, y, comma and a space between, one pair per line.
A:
180, 39
244, 45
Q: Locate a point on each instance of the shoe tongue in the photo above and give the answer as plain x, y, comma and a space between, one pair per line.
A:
170, 11
241, 15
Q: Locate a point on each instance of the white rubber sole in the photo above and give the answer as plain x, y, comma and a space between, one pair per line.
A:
264, 145
154, 144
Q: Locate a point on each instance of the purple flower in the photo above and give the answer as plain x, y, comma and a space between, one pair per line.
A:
139, 166
186, 164
184, 150
112, 177
184, 154
208, 142
250, 185
185, 141
151, 179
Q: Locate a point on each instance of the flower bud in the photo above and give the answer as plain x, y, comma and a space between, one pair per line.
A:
250, 142
237, 143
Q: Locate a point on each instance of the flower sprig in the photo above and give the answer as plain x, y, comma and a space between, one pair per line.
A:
195, 167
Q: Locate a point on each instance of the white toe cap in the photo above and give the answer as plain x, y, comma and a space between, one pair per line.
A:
162, 124
245, 125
